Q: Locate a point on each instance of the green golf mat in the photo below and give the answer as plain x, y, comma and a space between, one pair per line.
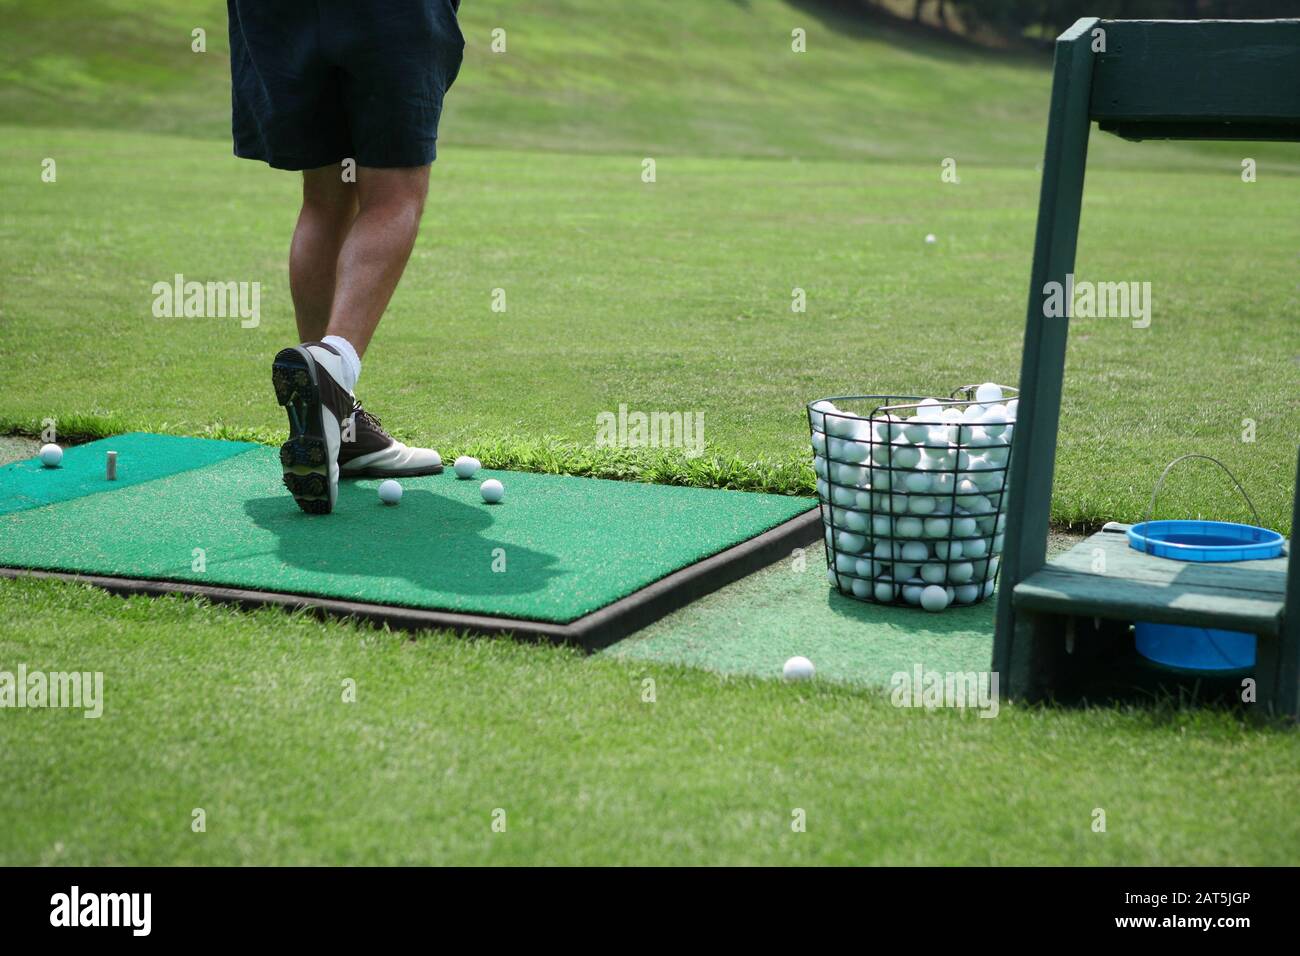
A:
757, 623
214, 514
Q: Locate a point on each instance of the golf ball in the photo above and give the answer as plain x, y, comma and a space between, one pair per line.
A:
917, 482
948, 550
929, 410
841, 424
798, 668
854, 520
937, 527
908, 527
988, 393
961, 572
390, 492
914, 552
844, 540
492, 491
934, 598
917, 430
933, 573
51, 455
930, 239
465, 466
818, 419
904, 456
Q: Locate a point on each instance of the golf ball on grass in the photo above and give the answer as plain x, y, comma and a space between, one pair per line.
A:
798, 668
492, 491
390, 492
465, 466
50, 455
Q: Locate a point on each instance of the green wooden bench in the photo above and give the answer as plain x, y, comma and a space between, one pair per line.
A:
1237, 80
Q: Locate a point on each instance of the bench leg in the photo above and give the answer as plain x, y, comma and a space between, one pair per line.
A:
1277, 677
1039, 661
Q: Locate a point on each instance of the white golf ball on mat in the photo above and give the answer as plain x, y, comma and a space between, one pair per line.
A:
465, 466
50, 455
798, 668
390, 492
492, 491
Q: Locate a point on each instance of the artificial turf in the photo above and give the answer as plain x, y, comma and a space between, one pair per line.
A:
83, 471
754, 625
555, 549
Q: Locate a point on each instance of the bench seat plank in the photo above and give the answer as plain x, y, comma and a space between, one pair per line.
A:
1103, 577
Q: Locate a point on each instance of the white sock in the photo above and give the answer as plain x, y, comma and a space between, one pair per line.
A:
351, 361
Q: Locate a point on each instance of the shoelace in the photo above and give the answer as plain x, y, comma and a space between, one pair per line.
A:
369, 419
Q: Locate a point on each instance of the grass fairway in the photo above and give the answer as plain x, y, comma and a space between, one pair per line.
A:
672, 296
242, 715
774, 172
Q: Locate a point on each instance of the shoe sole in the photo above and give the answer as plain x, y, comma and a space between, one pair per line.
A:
305, 456
391, 472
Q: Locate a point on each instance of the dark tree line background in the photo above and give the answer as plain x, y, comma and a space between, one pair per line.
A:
1018, 18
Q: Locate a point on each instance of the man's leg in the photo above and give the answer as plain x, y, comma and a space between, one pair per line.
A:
329, 206
370, 262
374, 254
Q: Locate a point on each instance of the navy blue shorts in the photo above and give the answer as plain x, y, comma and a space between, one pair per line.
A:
314, 82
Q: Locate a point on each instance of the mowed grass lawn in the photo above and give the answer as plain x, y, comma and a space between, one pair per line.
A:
671, 296
242, 715
773, 173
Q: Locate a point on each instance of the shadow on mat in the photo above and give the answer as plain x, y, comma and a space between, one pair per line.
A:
960, 623
429, 540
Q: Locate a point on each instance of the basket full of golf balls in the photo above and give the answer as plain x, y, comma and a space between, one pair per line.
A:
913, 493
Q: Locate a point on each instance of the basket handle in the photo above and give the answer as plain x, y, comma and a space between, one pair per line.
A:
1160, 483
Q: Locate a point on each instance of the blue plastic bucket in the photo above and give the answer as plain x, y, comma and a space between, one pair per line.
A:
1199, 648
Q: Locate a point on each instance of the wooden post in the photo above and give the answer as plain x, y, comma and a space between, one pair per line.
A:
1042, 370
1286, 679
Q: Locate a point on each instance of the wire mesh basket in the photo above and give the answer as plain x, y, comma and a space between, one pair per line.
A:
913, 493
